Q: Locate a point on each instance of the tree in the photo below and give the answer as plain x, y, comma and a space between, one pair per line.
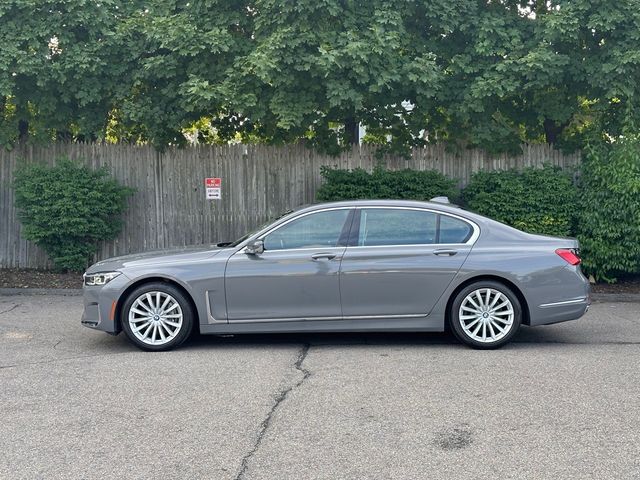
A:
180, 61
477, 73
59, 67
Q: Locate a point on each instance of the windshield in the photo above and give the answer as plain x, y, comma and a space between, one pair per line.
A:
254, 231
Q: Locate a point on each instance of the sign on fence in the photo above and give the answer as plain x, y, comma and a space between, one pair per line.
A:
213, 188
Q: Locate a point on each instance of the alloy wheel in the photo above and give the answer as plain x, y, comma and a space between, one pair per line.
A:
486, 315
155, 318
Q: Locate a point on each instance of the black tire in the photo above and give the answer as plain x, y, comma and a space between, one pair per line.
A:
467, 337
180, 333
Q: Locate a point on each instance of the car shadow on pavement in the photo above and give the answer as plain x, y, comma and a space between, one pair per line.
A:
525, 338
324, 339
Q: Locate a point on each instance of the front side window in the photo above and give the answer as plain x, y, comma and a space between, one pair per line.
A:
321, 230
392, 226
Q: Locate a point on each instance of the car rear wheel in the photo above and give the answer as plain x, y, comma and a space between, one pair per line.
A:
485, 315
157, 316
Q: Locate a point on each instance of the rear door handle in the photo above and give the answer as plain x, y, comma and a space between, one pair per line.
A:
445, 252
323, 255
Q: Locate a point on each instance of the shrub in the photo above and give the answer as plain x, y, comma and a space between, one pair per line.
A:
534, 200
68, 208
382, 183
609, 209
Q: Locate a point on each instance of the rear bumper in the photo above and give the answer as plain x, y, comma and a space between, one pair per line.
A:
564, 296
562, 311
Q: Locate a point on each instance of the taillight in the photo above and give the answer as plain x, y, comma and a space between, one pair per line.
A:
569, 255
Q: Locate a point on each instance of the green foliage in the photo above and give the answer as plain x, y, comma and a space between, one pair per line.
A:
382, 183
609, 208
66, 209
534, 200
488, 74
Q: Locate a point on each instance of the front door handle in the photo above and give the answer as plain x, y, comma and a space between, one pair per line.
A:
323, 255
445, 252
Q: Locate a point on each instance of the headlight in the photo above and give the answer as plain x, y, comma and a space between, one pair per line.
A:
96, 279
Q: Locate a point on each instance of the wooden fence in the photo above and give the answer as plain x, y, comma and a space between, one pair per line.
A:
258, 182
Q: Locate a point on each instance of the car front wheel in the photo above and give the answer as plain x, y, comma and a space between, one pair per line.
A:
157, 316
485, 315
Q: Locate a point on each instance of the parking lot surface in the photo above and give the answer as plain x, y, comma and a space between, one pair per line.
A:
562, 401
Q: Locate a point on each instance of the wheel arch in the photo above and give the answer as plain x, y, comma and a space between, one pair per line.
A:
144, 281
495, 278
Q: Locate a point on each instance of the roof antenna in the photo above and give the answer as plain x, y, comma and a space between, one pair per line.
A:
440, 200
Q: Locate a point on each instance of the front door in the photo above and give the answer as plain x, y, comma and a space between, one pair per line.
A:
400, 261
297, 275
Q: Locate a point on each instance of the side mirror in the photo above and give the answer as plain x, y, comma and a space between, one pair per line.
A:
254, 248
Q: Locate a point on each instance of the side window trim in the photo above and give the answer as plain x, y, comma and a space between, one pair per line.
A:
354, 233
349, 218
345, 234
355, 229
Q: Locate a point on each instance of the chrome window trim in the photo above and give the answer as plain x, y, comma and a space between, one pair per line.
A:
471, 241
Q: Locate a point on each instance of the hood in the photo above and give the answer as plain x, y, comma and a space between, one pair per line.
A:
156, 257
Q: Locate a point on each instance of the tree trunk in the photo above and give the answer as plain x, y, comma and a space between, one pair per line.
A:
23, 130
351, 131
552, 130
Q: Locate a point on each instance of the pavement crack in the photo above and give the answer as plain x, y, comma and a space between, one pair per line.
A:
11, 309
279, 398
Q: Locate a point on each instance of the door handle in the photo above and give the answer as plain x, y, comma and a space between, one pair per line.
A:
445, 252
323, 255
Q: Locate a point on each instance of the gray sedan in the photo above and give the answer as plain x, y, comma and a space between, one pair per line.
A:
377, 265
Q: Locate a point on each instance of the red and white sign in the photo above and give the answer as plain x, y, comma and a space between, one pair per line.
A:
213, 188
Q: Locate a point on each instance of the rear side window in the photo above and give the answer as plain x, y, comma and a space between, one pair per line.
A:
397, 226
380, 226
454, 230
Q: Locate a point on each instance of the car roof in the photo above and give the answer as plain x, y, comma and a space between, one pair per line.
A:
444, 207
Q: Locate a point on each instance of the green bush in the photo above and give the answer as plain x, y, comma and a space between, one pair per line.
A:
536, 200
68, 208
609, 209
382, 183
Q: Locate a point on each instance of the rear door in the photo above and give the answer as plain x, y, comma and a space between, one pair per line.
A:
400, 260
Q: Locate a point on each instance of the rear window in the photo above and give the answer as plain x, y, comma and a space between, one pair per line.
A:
454, 230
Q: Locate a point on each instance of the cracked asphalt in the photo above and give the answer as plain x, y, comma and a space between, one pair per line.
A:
563, 401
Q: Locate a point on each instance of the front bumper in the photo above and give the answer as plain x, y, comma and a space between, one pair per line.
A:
100, 304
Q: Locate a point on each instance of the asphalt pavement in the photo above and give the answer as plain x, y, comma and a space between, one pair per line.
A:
562, 401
